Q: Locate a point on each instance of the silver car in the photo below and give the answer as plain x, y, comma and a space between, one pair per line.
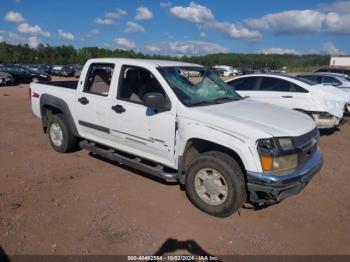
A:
6, 79
334, 79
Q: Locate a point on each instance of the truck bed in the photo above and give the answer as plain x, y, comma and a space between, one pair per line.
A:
64, 84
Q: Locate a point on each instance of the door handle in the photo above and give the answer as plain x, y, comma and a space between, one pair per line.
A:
287, 96
83, 100
118, 109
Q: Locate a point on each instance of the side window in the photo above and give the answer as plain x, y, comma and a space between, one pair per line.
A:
298, 89
99, 79
330, 80
135, 82
244, 84
275, 84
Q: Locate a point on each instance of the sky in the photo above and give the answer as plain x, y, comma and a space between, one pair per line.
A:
181, 27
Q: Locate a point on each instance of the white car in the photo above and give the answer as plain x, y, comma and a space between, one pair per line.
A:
325, 104
145, 114
227, 70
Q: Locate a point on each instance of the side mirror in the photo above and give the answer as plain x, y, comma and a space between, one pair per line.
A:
155, 101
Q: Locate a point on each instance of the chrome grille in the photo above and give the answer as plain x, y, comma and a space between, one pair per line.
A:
307, 145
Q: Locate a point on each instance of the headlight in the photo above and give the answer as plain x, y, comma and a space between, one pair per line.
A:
277, 156
286, 144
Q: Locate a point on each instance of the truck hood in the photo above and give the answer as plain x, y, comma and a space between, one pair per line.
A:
252, 119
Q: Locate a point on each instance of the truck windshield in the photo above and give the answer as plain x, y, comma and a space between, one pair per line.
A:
197, 86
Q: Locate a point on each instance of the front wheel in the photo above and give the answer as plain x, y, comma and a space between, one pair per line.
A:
215, 184
60, 136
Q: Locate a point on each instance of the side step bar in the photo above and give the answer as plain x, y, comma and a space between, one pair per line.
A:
136, 162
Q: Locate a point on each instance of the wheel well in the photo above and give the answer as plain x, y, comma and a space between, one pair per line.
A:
195, 147
46, 112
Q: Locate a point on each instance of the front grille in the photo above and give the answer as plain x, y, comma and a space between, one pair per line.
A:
307, 146
304, 140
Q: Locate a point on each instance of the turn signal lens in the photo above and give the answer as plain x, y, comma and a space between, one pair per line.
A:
266, 162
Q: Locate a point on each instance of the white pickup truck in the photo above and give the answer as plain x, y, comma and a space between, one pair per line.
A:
224, 149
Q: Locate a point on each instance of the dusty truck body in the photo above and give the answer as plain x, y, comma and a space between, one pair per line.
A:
224, 149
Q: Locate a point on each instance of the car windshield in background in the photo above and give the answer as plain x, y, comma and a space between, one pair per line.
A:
196, 86
304, 80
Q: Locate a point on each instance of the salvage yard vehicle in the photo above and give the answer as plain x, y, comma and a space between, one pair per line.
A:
334, 79
224, 149
6, 79
24, 75
324, 104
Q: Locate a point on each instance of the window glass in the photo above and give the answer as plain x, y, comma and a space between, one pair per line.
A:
244, 84
99, 79
298, 89
330, 80
198, 86
135, 82
275, 84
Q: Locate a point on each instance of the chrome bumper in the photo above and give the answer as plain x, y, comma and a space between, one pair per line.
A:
268, 188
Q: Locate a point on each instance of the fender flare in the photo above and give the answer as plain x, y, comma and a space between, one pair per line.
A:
50, 100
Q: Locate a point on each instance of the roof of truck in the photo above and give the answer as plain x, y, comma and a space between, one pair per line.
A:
144, 62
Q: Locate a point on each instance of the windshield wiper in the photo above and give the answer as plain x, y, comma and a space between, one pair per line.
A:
224, 98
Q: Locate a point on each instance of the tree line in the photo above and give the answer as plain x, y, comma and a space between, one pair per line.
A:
46, 54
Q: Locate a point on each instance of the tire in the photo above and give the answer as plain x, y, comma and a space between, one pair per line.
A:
231, 176
58, 130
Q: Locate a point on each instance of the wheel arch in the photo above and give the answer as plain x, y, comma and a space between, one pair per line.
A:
51, 105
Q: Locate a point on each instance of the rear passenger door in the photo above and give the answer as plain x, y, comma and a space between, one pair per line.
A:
93, 104
246, 87
280, 92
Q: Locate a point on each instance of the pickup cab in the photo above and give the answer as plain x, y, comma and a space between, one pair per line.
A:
223, 149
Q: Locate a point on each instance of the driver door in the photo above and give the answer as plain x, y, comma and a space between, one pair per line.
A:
137, 129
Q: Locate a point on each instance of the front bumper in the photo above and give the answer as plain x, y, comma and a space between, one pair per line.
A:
270, 189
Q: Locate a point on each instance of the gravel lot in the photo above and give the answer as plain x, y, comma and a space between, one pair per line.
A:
54, 203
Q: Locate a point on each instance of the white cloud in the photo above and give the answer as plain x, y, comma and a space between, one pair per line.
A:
203, 34
165, 4
93, 32
118, 14
65, 35
289, 22
196, 47
132, 27
332, 18
25, 28
124, 43
153, 48
33, 42
2, 39
279, 51
14, 17
233, 30
204, 18
104, 21
330, 49
193, 13
143, 13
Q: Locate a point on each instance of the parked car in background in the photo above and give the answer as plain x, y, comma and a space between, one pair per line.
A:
55, 71
223, 149
324, 105
77, 72
24, 75
227, 70
6, 79
344, 71
67, 71
334, 79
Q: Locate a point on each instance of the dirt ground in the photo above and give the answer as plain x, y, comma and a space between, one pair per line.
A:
54, 203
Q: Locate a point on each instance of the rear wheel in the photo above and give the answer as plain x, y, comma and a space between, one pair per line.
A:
215, 184
60, 136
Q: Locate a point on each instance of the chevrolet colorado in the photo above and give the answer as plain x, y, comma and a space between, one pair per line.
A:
225, 150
